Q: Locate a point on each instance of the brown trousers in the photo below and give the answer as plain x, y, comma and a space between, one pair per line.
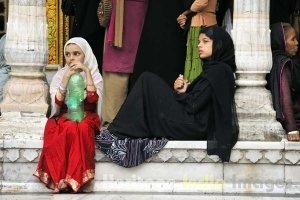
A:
115, 88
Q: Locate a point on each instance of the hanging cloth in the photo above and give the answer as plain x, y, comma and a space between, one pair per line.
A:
119, 20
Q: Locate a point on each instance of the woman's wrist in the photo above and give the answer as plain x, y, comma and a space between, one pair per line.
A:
62, 90
59, 96
87, 70
90, 84
186, 12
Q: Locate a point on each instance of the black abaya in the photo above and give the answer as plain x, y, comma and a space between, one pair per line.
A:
153, 110
154, 113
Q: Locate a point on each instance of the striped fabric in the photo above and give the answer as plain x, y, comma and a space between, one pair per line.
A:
128, 152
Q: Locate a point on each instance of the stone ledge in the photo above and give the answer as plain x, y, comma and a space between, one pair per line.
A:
181, 167
284, 152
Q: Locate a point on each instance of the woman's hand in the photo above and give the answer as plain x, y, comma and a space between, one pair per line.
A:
70, 71
75, 67
181, 19
293, 136
180, 84
78, 67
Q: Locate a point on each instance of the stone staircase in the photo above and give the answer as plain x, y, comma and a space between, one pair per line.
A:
182, 167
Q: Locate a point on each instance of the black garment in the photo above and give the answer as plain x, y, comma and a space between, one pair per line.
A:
153, 110
280, 60
162, 46
86, 25
223, 6
281, 10
218, 71
296, 75
187, 4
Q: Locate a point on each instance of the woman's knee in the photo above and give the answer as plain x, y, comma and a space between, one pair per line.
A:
149, 77
146, 75
85, 129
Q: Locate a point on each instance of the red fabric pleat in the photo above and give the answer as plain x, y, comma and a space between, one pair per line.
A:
68, 153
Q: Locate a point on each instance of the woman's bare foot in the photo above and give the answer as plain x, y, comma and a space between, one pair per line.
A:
55, 191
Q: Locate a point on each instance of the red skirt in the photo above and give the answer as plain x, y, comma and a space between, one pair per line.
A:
67, 158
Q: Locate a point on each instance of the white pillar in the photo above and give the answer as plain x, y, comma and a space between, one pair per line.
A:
26, 51
26, 95
251, 36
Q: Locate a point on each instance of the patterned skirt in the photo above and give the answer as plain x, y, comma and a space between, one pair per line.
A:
128, 152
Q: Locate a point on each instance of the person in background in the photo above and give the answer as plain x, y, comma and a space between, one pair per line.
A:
121, 44
4, 68
295, 22
284, 78
281, 10
86, 24
162, 46
204, 15
154, 113
67, 159
223, 7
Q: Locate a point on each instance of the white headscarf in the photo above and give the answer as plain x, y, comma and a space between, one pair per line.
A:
89, 61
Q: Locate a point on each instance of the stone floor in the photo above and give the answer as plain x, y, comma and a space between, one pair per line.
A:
131, 196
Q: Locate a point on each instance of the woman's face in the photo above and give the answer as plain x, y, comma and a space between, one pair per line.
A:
291, 45
205, 47
73, 53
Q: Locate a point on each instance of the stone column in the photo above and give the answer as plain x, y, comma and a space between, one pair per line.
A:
26, 53
251, 35
26, 96
4, 68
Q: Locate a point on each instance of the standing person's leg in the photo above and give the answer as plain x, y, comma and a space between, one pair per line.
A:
114, 94
193, 64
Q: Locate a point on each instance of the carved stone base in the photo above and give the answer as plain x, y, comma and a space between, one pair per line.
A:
256, 115
25, 94
24, 126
